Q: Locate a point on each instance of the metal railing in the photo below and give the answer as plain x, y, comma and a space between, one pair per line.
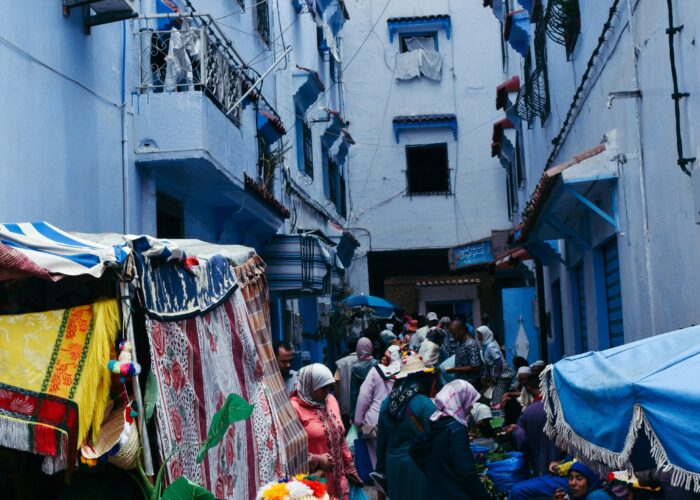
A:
196, 56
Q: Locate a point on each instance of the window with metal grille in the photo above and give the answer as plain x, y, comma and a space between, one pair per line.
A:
333, 187
519, 163
564, 23
509, 197
342, 205
427, 170
613, 293
262, 20
308, 149
580, 307
533, 98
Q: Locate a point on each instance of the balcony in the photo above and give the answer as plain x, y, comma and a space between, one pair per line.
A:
189, 133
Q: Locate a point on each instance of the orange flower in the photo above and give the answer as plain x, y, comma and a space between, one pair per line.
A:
275, 491
318, 488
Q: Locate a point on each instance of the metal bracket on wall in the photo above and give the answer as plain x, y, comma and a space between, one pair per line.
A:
108, 12
610, 219
567, 231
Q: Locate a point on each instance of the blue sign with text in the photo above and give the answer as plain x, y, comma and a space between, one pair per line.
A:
471, 255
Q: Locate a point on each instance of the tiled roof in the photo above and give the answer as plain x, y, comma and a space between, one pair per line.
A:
497, 136
509, 22
502, 91
417, 18
265, 196
315, 76
424, 119
538, 200
275, 121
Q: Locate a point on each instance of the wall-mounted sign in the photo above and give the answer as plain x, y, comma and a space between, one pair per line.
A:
473, 254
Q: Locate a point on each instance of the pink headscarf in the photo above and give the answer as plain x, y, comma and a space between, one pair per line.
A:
455, 400
364, 349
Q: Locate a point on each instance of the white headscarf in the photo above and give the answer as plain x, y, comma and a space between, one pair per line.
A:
395, 363
311, 378
455, 400
490, 350
430, 352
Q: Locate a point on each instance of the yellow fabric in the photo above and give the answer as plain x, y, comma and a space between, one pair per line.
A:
63, 353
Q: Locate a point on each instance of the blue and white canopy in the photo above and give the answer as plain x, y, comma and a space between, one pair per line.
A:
630, 405
42, 250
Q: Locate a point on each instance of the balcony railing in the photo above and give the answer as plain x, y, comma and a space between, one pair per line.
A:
195, 57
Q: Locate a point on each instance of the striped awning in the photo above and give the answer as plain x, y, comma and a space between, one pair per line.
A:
42, 250
300, 264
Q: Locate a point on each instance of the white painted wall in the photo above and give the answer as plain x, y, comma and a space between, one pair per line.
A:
377, 162
658, 238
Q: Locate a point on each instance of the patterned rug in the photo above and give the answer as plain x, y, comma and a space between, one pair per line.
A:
197, 363
251, 276
54, 384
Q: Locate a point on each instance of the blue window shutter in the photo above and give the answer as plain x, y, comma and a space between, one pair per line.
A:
299, 136
613, 293
326, 180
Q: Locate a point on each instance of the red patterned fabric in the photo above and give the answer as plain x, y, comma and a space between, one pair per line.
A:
251, 277
197, 363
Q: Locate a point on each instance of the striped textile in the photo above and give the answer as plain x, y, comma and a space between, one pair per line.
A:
298, 263
251, 277
42, 250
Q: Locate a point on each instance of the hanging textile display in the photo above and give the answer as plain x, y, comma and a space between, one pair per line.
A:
197, 363
54, 385
251, 277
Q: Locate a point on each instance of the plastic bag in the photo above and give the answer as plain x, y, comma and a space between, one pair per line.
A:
446, 378
505, 473
351, 437
357, 493
363, 463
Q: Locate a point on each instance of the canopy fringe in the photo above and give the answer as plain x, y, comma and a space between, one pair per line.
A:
566, 438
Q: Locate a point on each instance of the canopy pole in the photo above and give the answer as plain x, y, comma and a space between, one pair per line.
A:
128, 327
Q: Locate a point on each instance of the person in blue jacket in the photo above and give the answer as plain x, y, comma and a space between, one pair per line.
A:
403, 416
444, 452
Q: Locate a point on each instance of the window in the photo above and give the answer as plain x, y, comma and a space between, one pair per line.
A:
262, 20
342, 204
511, 192
321, 43
267, 163
334, 69
170, 216
427, 169
333, 187
519, 164
613, 293
418, 56
564, 23
430, 41
305, 147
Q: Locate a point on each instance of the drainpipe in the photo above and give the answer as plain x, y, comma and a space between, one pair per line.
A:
642, 169
125, 166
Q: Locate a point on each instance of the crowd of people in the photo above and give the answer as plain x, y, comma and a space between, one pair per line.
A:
415, 395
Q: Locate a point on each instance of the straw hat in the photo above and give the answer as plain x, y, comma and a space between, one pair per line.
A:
412, 364
118, 441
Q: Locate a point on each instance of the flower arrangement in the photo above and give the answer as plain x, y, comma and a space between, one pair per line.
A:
299, 487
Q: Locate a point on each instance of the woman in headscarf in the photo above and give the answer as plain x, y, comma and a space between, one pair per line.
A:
373, 392
358, 374
583, 484
497, 373
403, 416
444, 452
319, 413
513, 403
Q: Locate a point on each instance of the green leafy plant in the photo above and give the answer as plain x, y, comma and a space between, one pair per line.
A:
235, 409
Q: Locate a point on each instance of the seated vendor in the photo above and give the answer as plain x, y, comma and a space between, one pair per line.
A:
481, 417
583, 483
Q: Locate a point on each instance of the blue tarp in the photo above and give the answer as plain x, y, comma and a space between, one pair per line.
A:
381, 307
631, 403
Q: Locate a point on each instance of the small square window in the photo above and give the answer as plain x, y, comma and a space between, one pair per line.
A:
407, 36
427, 169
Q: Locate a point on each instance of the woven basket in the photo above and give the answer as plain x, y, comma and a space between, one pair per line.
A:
128, 454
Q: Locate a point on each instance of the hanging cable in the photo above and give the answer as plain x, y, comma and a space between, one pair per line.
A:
672, 30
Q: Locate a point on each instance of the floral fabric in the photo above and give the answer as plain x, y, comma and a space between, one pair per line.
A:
197, 363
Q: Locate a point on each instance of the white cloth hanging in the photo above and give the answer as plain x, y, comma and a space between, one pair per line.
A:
179, 64
421, 59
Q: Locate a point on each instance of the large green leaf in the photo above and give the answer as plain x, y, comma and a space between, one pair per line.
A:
150, 396
234, 409
184, 489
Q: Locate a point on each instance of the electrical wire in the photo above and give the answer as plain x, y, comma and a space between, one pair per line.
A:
240, 11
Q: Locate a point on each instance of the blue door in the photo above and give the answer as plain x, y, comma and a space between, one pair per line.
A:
556, 344
580, 309
613, 293
517, 307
